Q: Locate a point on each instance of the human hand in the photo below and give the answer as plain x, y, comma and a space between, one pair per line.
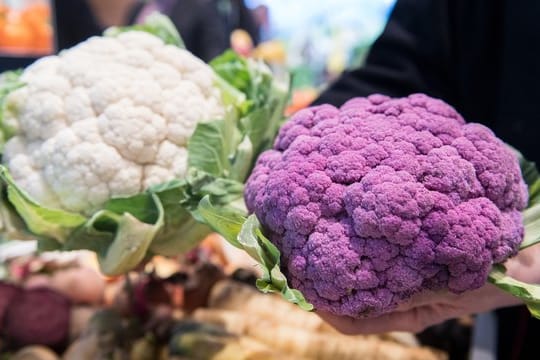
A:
430, 308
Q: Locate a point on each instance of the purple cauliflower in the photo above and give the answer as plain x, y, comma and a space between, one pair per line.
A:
383, 198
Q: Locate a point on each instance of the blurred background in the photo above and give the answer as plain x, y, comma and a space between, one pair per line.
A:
314, 40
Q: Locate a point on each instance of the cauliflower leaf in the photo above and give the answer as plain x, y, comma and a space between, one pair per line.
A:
245, 233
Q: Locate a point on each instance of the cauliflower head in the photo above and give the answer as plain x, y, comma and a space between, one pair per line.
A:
382, 198
107, 118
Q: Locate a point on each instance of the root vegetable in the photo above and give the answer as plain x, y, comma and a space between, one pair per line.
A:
38, 316
310, 344
230, 295
35, 353
7, 293
82, 285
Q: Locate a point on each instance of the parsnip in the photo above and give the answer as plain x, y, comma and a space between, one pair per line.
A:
202, 341
332, 346
35, 353
231, 295
311, 344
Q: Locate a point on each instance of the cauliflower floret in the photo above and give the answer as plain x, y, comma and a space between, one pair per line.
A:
169, 157
382, 198
107, 118
135, 131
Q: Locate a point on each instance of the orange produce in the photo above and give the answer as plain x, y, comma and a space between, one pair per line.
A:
36, 14
28, 30
3, 15
16, 35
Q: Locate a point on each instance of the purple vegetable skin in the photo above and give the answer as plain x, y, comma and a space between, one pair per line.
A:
7, 293
38, 316
383, 198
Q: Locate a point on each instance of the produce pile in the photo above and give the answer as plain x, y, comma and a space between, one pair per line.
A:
201, 306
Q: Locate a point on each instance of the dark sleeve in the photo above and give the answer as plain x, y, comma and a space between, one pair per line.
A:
247, 21
201, 27
411, 55
214, 38
75, 22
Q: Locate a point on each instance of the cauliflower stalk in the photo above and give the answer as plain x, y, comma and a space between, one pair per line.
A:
110, 144
366, 205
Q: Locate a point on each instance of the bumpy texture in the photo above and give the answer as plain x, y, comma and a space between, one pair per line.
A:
371, 203
107, 118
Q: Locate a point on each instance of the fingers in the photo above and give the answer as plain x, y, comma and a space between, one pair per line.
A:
413, 320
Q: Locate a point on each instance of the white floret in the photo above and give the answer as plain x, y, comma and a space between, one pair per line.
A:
107, 118
135, 131
84, 174
78, 105
27, 174
170, 163
182, 117
43, 116
165, 75
140, 40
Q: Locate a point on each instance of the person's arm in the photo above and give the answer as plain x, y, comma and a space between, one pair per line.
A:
210, 32
431, 308
411, 55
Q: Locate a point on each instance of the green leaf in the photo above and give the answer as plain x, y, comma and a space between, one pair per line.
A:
156, 24
231, 96
130, 245
121, 241
142, 206
127, 229
234, 70
529, 293
227, 222
181, 231
212, 145
531, 220
531, 176
229, 147
11, 224
52, 223
531, 215
9, 82
246, 234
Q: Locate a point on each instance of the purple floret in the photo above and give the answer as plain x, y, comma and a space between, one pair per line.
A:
371, 203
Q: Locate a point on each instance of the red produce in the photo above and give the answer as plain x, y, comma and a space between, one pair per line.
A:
38, 316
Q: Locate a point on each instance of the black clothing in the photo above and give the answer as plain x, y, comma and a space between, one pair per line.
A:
74, 22
481, 56
200, 25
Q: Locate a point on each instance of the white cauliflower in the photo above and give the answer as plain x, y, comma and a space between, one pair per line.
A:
113, 144
107, 118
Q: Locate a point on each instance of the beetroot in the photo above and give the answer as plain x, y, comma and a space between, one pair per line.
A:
7, 293
37, 316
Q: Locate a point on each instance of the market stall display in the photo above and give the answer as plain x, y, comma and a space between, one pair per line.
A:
162, 317
129, 146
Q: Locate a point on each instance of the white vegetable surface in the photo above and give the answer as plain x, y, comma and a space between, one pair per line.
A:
107, 118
